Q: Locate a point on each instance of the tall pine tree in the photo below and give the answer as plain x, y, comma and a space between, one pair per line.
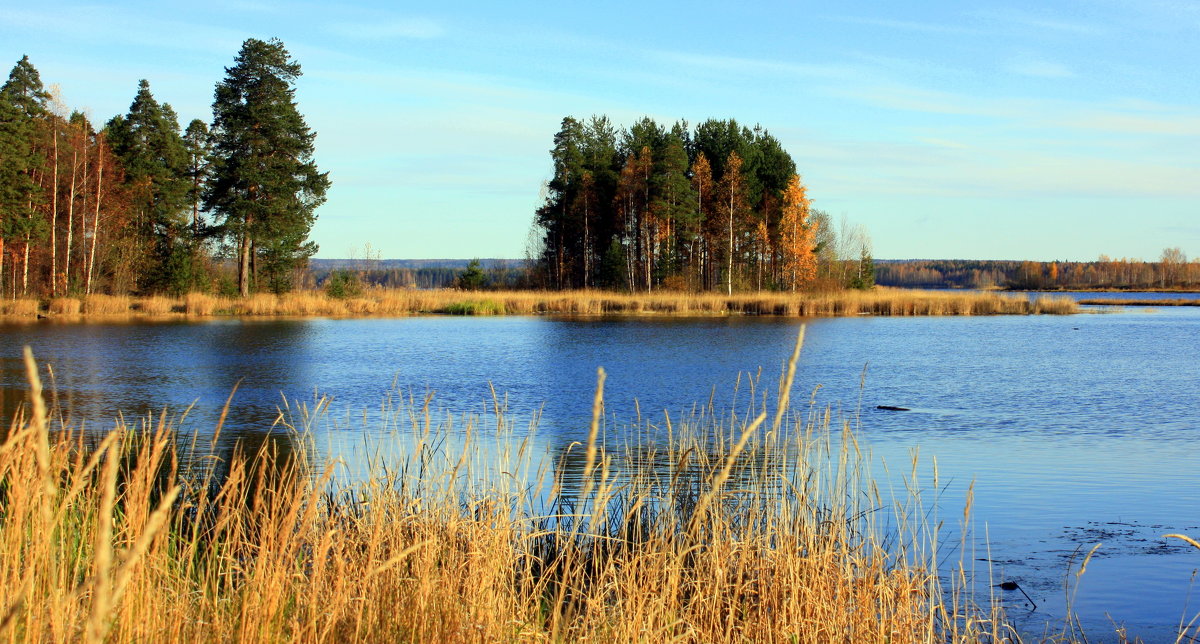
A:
264, 187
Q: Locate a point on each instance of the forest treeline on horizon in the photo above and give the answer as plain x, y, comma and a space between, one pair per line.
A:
1172, 271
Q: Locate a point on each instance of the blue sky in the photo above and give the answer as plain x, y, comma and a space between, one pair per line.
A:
1058, 129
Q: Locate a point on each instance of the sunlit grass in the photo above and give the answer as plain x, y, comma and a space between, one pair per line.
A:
762, 525
754, 529
880, 301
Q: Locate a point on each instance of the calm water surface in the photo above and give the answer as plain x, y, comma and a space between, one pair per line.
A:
1076, 430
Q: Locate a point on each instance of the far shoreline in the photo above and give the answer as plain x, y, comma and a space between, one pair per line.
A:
880, 301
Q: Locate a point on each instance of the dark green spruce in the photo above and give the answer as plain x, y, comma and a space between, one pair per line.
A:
22, 114
148, 143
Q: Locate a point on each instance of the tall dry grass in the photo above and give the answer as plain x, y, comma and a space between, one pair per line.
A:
100, 304
756, 529
20, 308
881, 301
400, 302
202, 304
158, 305
65, 306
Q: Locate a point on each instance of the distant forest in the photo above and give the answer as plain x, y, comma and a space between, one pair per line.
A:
415, 273
1171, 271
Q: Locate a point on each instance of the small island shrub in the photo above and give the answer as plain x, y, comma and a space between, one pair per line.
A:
473, 278
475, 307
342, 284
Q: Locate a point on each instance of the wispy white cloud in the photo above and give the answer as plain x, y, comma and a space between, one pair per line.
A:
742, 65
1179, 124
910, 25
418, 28
943, 143
99, 24
895, 96
1123, 116
1040, 69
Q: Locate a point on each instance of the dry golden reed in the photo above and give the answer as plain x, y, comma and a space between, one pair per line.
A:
755, 526
880, 301
157, 305
20, 308
706, 540
99, 304
65, 306
202, 304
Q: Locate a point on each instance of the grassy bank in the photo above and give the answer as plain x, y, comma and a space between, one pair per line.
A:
399, 302
757, 529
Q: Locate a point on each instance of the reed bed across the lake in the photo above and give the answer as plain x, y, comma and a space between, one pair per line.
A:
399, 302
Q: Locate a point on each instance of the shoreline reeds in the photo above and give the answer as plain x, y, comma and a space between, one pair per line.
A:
746, 531
403, 302
759, 526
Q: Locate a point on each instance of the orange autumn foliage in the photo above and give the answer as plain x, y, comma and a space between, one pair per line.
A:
798, 233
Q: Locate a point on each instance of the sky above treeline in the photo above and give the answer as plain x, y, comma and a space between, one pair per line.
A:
1055, 129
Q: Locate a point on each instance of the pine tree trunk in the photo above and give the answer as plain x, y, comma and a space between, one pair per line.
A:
244, 266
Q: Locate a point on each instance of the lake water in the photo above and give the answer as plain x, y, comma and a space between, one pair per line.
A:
1076, 430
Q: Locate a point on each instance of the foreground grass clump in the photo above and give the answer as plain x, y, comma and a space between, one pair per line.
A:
757, 528
396, 302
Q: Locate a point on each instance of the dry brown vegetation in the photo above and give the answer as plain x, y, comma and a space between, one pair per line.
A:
98, 304
399, 302
20, 308
64, 306
755, 531
754, 527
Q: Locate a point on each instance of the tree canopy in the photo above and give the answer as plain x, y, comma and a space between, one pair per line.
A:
652, 206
